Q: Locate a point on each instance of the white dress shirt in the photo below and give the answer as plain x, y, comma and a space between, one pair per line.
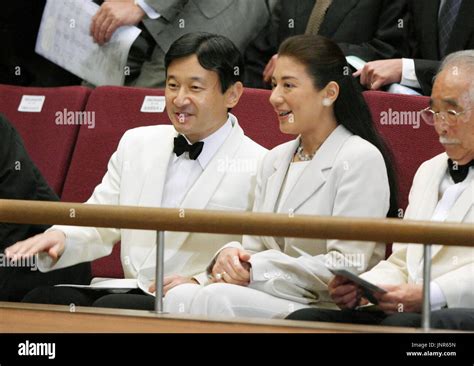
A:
183, 172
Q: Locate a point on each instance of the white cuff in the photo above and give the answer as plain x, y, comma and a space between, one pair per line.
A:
46, 263
437, 298
68, 257
260, 270
202, 278
408, 74
149, 11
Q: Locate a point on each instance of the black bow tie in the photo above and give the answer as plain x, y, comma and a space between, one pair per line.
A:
181, 146
459, 172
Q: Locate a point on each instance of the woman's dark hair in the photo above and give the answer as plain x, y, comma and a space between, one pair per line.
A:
214, 52
325, 62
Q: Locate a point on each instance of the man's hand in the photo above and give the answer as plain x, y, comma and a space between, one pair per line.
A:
111, 15
407, 298
376, 74
232, 266
268, 72
172, 281
52, 242
345, 293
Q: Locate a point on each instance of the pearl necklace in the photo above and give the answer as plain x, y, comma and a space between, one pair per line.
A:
303, 157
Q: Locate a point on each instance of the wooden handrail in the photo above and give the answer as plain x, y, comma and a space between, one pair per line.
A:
297, 226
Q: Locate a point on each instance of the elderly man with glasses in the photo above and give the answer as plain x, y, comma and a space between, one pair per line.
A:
443, 190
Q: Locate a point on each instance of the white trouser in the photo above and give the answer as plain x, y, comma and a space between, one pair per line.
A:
225, 300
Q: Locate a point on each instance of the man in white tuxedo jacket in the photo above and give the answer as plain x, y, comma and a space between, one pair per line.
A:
188, 165
443, 190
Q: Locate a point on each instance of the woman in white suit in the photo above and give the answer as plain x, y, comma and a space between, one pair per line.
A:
337, 165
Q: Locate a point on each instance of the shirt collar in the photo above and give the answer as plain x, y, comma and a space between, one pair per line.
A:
213, 142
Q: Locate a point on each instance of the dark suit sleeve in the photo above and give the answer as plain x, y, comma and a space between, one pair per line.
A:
19, 179
261, 49
425, 72
389, 40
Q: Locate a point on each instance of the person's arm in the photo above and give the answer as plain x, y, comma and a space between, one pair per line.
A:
408, 77
82, 244
458, 285
390, 271
150, 12
111, 15
425, 72
408, 297
305, 276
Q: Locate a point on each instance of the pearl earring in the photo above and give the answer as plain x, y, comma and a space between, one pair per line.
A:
327, 102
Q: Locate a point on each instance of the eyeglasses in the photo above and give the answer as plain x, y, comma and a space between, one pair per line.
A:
449, 117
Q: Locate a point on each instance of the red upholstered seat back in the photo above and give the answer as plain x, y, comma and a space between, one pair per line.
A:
412, 143
117, 109
258, 119
50, 145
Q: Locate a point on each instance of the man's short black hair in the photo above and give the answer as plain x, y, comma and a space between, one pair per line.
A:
214, 52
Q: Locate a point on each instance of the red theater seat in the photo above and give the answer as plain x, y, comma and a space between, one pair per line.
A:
258, 119
49, 144
412, 143
117, 109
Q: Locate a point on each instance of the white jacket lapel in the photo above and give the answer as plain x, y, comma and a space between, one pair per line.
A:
459, 211
275, 181
203, 189
152, 189
431, 196
463, 204
312, 177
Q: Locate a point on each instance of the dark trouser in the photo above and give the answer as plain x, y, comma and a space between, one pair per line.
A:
461, 318
337, 316
134, 299
15, 283
137, 301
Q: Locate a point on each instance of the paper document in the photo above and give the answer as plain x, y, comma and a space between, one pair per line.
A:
116, 285
356, 62
401, 89
367, 287
64, 38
